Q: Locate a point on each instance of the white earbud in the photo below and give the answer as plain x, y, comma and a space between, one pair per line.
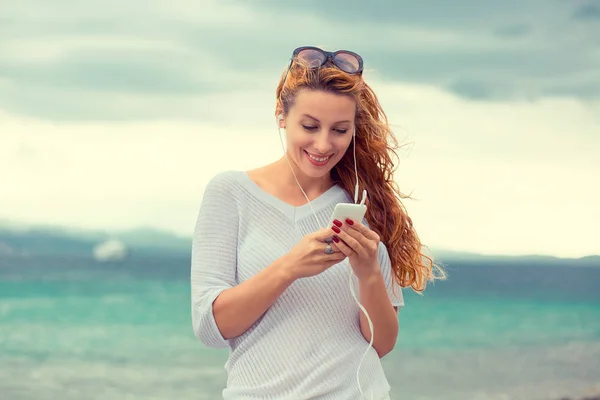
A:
279, 119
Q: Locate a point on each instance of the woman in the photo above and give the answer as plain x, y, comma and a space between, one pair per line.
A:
266, 281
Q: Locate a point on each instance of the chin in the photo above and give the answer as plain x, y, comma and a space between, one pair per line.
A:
310, 172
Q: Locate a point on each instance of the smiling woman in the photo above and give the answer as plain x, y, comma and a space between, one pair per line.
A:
269, 281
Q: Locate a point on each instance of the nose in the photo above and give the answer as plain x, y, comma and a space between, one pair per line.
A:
323, 143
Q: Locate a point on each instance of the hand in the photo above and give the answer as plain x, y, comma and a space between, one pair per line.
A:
359, 244
308, 257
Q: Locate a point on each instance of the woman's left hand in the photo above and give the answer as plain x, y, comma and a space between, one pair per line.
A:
360, 244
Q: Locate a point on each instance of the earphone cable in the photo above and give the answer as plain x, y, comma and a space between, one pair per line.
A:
319, 222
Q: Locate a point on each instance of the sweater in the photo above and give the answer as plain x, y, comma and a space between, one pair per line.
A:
308, 344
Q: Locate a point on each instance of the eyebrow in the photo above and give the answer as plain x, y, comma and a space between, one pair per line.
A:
310, 116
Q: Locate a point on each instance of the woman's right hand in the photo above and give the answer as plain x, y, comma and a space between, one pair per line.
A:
308, 257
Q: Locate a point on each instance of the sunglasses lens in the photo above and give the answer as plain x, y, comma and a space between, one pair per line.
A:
347, 62
313, 58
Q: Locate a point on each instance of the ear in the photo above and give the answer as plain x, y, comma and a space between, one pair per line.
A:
279, 114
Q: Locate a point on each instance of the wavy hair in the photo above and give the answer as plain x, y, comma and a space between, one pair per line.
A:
376, 156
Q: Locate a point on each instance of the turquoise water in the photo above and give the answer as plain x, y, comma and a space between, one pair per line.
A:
71, 328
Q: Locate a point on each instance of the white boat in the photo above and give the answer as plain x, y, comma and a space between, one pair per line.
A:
110, 250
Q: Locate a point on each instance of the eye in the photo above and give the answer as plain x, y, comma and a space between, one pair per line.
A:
342, 131
309, 128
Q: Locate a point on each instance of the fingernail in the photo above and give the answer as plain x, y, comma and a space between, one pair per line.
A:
336, 239
335, 229
349, 221
338, 223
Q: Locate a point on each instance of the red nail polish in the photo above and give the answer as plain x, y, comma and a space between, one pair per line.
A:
349, 221
336, 239
338, 223
335, 229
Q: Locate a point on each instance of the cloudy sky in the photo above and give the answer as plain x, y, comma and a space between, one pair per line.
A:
114, 115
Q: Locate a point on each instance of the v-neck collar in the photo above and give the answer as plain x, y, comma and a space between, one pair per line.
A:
295, 213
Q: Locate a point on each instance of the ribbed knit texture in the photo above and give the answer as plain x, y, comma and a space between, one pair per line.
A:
308, 344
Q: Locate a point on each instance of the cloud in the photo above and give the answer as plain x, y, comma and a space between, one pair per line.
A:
489, 176
471, 89
500, 53
514, 30
114, 71
115, 115
406, 12
588, 12
75, 105
182, 50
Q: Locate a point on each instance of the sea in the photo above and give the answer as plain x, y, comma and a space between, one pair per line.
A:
75, 328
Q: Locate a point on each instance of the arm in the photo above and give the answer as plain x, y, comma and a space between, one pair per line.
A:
381, 296
221, 308
374, 298
236, 309
214, 255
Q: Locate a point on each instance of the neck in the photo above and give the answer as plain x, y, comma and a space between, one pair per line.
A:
311, 186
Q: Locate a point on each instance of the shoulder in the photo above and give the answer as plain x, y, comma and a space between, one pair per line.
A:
222, 187
223, 182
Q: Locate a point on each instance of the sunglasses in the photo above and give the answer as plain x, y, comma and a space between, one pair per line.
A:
314, 57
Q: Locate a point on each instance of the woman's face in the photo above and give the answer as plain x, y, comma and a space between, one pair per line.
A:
319, 128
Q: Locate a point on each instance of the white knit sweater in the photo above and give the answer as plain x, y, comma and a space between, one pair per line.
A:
308, 344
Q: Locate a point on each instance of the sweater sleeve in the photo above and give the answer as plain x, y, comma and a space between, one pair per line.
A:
393, 288
214, 257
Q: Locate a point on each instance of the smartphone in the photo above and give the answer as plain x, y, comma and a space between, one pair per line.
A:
348, 210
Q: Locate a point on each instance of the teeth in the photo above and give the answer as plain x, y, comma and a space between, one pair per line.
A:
318, 159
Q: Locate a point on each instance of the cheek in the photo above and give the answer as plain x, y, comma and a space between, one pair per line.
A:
297, 141
344, 146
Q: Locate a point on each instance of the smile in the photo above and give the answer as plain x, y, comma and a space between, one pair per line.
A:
317, 160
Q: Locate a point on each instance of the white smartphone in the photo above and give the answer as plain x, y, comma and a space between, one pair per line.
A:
348, 210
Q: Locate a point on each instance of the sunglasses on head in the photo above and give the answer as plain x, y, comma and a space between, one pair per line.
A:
315, 57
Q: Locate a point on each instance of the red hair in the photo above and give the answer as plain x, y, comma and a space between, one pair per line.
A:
376, 155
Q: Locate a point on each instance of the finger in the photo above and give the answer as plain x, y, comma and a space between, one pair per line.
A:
333, 246
323, 235
348, 240
355, 234
344, 248
337, 255
367, 246
368, 239
363, 229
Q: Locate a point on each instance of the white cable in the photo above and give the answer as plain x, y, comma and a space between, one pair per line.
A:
319, 222
372, 335
351, 283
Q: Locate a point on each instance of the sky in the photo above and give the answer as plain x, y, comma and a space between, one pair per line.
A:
114, 115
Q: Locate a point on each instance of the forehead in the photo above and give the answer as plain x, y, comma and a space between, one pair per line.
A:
327, 107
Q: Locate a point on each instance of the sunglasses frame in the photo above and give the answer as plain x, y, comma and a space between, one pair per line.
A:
329, 55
